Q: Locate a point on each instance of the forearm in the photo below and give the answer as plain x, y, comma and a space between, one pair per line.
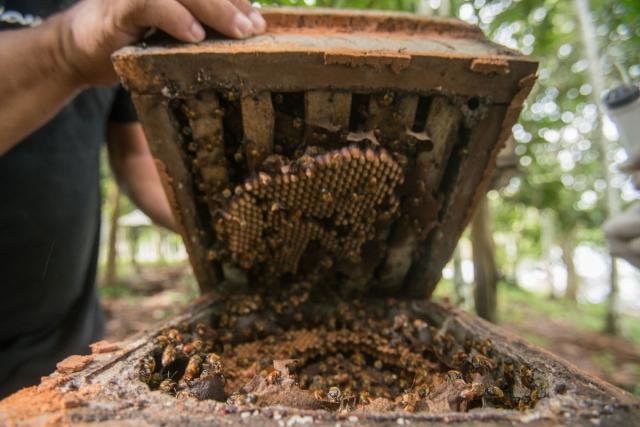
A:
41, 68
36, 82
139, 181
136, 173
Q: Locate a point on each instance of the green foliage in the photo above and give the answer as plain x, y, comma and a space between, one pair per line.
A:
519, 221
557, 141
108, 186
117, 290
584, 317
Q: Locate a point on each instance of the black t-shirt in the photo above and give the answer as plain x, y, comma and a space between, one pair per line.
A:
50, 226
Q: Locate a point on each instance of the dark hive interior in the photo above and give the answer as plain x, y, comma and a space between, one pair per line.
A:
345, 184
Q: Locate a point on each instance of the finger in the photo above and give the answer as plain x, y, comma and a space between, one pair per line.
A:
635, 179
625, 226
628, 254
222, 16
634, 246
259, 24
168, 15
618, 248
634, 260
632, 164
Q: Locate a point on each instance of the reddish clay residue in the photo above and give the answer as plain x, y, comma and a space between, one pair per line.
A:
305, 20
45, 398
397, 62
73, 364
104, 347
490, 65
31, 401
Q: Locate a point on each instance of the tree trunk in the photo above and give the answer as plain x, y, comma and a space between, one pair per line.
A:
611, 319
568, 246
484, 263
112, 252
510, 272
160, 247
596, 78
134, 237
445, 8
547, 231
458, 279
423, 7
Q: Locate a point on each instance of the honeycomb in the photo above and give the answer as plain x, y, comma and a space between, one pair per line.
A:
312, 349
333, 199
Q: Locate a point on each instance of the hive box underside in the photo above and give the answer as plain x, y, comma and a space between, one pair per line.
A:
370, 136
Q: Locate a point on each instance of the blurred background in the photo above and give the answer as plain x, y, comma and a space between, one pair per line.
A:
534, 258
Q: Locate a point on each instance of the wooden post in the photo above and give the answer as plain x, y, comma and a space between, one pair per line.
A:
112, 252
458, 278
484, 263
567, 245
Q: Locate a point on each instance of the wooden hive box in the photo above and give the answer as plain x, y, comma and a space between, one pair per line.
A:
346, 147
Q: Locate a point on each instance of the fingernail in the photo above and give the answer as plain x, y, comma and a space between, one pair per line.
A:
259, 24
197, 32
243, 25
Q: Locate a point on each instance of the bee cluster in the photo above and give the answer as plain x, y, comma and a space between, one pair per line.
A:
291, 208
316, 350
321, 182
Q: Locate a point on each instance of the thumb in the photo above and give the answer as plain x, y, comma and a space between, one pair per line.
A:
632, 164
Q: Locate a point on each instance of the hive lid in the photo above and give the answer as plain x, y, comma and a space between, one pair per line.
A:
341, 146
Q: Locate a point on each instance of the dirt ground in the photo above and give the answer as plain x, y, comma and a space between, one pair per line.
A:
614, 359
160, 293
156, 294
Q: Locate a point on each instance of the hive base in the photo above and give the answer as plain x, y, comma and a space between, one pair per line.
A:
105, 387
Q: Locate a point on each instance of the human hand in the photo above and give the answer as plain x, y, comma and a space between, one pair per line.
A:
93, 29
632, 167
623, 235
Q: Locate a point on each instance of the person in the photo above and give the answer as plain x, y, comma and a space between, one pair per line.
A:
57, 109
623, 230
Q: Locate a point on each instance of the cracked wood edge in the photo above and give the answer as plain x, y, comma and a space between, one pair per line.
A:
177, 181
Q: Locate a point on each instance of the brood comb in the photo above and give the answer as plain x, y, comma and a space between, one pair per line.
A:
341, 146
